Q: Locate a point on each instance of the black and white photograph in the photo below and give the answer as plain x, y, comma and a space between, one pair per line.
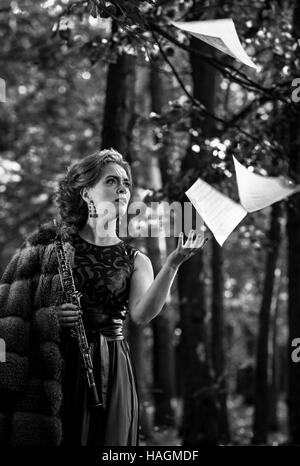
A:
149, 227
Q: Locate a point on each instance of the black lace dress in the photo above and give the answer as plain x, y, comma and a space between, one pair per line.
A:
102, 274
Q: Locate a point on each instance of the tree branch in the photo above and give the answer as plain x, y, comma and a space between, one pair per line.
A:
197, 104
243, 80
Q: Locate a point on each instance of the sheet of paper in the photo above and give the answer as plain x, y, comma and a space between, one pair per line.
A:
220, 213
221, 34
257, 192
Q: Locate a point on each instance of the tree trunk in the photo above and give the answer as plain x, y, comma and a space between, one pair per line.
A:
161, 94
293, 228
200, 419
119, 104
201, 416
163, 325
274, 363
163, 351
261, 401
218, 334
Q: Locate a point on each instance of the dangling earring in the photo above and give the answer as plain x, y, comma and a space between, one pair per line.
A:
92, 209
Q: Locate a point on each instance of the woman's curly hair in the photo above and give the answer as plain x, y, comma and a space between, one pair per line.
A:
84, 174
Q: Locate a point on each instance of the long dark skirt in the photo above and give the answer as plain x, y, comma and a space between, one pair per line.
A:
118, 423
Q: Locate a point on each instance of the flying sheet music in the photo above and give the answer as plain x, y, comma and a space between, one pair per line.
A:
221, 214
257, 192
221, 34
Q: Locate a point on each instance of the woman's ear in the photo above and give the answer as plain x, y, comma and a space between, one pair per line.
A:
84, 194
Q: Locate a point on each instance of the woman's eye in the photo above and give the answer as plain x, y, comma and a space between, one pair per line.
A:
111, 180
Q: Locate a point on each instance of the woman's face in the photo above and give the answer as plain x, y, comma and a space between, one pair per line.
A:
112, 192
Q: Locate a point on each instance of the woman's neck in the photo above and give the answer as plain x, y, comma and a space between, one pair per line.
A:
93, 233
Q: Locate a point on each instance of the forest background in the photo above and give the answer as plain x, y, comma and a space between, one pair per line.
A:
215, 367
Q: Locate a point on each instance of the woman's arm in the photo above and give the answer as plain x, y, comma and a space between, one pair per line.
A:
147, 296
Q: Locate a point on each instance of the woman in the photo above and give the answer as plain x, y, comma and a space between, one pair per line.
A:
44, 397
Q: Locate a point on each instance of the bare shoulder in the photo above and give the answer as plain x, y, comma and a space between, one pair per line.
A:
142, 262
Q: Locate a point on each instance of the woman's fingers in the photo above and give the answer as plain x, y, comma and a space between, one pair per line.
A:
194, 240
189, 240
68, 306
68, 321
68, 314
191, 237
180, 241
199, 241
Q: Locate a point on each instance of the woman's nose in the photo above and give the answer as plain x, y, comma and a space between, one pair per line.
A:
121, 188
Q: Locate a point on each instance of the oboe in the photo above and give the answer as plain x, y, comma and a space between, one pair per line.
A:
71, 295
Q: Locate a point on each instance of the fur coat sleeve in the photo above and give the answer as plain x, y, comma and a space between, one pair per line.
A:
30, 377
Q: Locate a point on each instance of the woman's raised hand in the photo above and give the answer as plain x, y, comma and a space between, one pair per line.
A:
185, 251
68, 314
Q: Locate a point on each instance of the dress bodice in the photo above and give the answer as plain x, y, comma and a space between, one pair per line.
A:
102, 274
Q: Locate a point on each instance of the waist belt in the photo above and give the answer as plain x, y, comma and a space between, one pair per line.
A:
100, 330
